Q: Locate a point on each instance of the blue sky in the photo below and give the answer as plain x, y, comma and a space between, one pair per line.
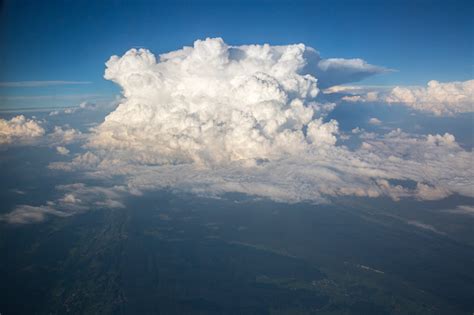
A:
71, 40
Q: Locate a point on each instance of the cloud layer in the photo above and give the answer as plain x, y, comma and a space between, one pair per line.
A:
438, 98
215, 103
213, 118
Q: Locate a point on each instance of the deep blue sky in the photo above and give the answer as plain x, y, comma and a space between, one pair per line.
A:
71, 40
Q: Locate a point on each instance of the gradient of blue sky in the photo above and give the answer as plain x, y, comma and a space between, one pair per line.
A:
71, 40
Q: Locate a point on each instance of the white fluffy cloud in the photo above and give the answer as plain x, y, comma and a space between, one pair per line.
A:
83, 106
437, 98
463, 209
64, 135
19, 129
22, 130
214, 103
375, 121
425, 226
24, 214
62, 150
435, 163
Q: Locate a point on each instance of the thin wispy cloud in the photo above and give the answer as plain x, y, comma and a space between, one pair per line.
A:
26, 84
22, 103
49, 97
438, 98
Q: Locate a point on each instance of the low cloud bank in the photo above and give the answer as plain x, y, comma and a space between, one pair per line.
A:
19, 129
75, 198
440, 99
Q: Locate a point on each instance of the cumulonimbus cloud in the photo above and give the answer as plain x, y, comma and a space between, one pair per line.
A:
215, 118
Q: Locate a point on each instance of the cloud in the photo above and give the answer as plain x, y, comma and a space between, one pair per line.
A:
446, 139
375, 121
462, 209
19, 129
62, 150
71, 110
428, 192
214, 118
86, 161
439, 169
425, 226
23, 131
212, 102
76, 198
64, 135
41, 83
24, 214
335, 71
440, 99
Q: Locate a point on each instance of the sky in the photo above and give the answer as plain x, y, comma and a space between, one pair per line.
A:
70, 41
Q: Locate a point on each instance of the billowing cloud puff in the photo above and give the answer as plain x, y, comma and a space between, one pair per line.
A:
437, 98
64, 135
20, 129
213, 103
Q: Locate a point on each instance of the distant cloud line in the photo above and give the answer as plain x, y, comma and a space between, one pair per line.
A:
21, 84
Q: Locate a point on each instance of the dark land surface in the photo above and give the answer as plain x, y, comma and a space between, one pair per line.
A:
179, 254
